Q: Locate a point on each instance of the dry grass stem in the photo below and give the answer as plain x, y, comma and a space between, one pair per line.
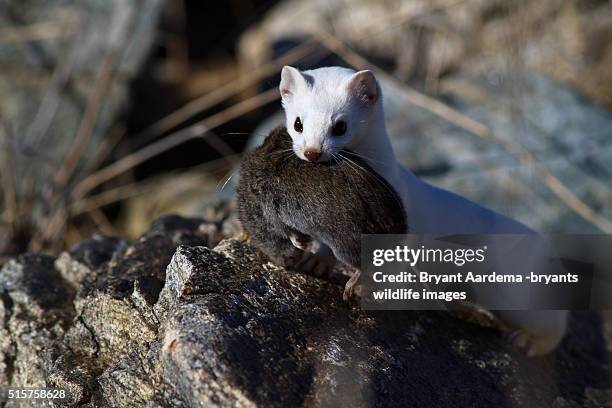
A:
95, 103
197, 130
53, 95
126, 191
39, 31
223, 93
9, 190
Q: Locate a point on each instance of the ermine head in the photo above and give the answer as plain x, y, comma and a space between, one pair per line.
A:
327, 109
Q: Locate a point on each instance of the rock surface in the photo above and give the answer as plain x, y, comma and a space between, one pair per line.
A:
175, 319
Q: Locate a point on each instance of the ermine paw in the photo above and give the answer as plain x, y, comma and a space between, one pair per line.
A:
317, 264
530, 345
352, 287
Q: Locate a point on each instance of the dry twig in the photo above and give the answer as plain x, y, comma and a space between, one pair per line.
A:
102, 222
52, 97
95, 101
39, 31
114, 137
126, 191
197, 130
222, 93
9, 190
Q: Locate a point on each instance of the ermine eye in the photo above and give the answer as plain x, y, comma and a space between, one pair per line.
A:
298, 125
339, 128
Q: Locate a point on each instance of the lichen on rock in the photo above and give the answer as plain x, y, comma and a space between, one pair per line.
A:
169, 321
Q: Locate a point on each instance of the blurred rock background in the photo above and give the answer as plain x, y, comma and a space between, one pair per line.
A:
114, 112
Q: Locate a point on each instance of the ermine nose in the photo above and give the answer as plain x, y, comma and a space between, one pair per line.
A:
312, 154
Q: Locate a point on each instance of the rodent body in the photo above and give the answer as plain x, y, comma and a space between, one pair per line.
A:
281, 197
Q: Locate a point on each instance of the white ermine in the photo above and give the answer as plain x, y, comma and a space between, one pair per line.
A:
332, 108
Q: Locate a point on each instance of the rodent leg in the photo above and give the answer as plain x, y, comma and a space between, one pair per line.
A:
320, 263
282, 252
300, 241
272, 240
351, 286
277, 247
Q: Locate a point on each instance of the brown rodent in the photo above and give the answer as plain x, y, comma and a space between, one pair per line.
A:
284, 201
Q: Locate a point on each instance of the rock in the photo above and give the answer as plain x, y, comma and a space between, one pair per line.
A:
134, 380
32, 284
169, 321
267, 331
86, 256
37, 305
87, 309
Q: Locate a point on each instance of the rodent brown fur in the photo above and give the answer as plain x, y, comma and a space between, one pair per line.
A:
280, 196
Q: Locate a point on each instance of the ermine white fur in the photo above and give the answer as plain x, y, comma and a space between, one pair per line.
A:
332, 108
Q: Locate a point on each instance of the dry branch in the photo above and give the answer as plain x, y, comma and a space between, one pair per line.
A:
126, 191
197, 130
9, 191
40, 31
95, 102
114, 137
222, 93
52, 97
102, 222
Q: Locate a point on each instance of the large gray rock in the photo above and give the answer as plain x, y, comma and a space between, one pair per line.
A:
37, 308
66, 322
169, 321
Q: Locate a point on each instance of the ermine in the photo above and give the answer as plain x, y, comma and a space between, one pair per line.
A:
332, 108
284, 203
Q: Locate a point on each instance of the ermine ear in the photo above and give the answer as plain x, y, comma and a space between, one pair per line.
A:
291, 80
364, 86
